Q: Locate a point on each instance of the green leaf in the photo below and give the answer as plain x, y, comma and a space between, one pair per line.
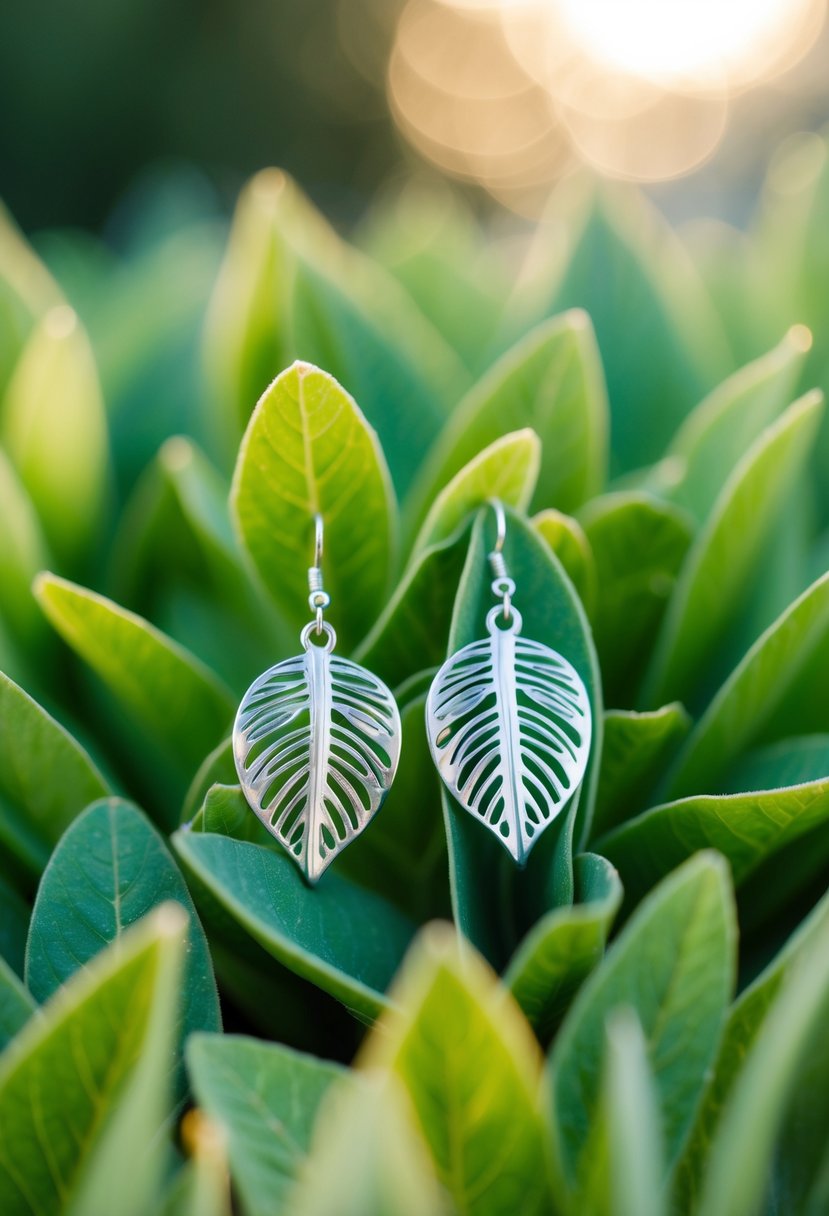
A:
738, 1164
714, 437
345, 940
54, 428
564, 946
673, 965
507, 469
174, 697
633, 1123
552, 614
660, 340
244, 339
27, 291
403, 857
366, 1157
202, 1186
14, 927
778, 689
622, 1170
224, 813
412, 631
110, 869
71, 1080
638, 546
746, 1019
16, 1004
309, 450
471, 1069
568, 541
362, 348
217, 768
727, 551
552, 382
747, 828
46, 777
22, 554
637, 750
264, 1100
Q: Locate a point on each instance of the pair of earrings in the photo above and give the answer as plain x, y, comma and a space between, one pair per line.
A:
317, 738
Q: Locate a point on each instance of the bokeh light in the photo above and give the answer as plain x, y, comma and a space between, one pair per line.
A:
514, 94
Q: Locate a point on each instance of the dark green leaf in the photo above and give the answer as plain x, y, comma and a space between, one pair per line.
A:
16, 1004
46, 777
109, 869
638, 546
564, 946
637, 750
727, 551
347, 941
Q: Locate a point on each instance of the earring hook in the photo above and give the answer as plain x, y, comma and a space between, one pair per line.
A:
318, 598
502, 585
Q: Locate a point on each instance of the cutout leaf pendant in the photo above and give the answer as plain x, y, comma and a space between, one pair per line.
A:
316, 744
509, 726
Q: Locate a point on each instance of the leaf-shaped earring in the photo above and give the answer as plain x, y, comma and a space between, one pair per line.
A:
316, 742
509, 723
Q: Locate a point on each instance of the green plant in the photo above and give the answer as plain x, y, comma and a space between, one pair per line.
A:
667, 944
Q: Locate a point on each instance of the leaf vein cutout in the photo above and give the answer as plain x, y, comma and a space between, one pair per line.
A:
509, 726
316, 744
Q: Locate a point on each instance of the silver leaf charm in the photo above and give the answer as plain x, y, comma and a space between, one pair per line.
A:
316, 743
509, 726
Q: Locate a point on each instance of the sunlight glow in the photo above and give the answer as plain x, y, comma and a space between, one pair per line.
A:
515, 94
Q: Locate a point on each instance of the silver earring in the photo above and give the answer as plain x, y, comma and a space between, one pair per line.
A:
509, 722
316, 742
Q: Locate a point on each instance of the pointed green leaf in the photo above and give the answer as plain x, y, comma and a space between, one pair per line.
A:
16, 1004
674, 966
174, 697
46, 777
637, 750
110, 868
264, 1099
367, 1158
244, 340
54, 428
567, 539
363, 350
470, 1068
723, 427
22, 554
622, 1169
308, 450
217, 768
747, 828
638, 546
746, 1019
507, 470
65, 1081
660, 340
778, 689
564, 946
727, 550
738, 1166
345, 940
552, 382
